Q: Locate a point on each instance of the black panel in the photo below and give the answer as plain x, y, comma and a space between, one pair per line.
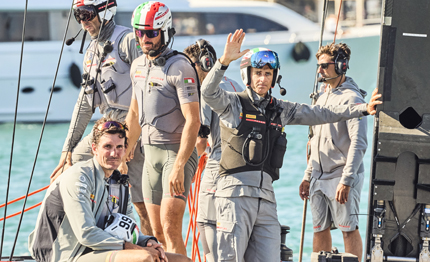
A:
400, 175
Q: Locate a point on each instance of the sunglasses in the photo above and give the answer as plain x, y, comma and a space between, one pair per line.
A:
84, 13
324, 65
109, 124
148, 33
262, 58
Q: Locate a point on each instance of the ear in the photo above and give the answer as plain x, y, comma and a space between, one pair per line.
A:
94, 148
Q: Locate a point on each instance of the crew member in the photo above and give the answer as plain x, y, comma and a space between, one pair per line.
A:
86, 214
253, 146
204, 56
335, 171
110, 90
166, 105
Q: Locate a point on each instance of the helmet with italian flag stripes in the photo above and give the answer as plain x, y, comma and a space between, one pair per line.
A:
154, 15
258, 58
99, 6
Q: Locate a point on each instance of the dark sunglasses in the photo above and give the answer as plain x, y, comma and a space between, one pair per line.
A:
109, 124
148, 33
324, 65
84, 13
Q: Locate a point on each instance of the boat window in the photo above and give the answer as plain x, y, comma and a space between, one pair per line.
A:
36, 28
212, 23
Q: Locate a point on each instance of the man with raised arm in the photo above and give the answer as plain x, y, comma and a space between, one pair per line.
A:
253, 144
334, 176
165, 110
109, 89
86, 215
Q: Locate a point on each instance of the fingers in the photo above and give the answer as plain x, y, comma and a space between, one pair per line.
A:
228, 38
55, 172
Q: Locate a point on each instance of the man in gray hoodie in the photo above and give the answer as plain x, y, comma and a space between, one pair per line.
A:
334, 176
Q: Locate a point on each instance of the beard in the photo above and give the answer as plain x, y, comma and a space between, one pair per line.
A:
155, 47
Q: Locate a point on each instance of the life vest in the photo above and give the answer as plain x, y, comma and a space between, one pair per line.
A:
158, 101
112, 88
257, 143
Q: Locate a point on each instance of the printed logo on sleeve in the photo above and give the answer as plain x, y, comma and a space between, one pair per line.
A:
189, 80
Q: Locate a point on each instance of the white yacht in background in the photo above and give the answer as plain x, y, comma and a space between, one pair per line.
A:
267, 25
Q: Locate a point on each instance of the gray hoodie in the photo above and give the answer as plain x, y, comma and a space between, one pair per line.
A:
338, 148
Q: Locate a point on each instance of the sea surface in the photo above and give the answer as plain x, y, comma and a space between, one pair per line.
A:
290, 206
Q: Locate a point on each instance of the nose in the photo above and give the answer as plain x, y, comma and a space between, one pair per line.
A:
320, 70
113, 152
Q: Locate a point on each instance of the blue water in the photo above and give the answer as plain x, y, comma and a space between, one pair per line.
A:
290, 206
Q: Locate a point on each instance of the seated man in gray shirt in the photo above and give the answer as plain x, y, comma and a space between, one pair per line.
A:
74, 221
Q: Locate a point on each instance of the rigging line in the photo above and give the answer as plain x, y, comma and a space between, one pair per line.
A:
337, 21
82, 96
315, 88
41, 135
22, 197
14, 126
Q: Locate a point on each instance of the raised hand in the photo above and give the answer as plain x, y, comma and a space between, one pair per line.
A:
232, 47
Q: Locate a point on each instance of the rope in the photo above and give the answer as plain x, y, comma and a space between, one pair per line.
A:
20, 198
17, 213
193, 200
337, 21
14, 126
41, 135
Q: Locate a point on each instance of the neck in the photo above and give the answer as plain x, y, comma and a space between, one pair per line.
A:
107, 172
333, 83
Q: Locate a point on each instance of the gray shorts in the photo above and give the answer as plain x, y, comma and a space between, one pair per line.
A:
83, 152
99, 256
247, 229
207, 212
326, 209
159, 162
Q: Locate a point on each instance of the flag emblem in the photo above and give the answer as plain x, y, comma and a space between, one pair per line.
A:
189, 80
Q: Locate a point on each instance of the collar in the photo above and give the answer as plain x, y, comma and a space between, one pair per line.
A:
106, 32
258, 101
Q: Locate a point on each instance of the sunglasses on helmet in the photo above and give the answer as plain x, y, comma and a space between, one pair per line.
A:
148, 33
262, 58
109, 124
84, 13
324, 65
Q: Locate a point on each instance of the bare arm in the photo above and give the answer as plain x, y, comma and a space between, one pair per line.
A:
201, 145
188, 141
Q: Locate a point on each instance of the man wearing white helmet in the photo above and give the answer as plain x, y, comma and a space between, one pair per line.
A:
86, 215
109, 89
165, 110
253, 145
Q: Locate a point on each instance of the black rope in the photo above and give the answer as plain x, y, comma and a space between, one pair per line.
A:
41, 134
14, 127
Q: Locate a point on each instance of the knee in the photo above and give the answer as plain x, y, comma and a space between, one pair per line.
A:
350, 234
146, 258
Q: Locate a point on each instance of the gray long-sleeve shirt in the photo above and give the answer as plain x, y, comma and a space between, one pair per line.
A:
82, 112
228, 107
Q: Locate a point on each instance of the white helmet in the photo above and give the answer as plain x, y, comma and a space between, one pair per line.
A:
123, 227
154, 15
99, 7
258, 58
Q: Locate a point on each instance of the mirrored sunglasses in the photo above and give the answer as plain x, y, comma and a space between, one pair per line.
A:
84, 13
148, 33
324, 65
109, 124
262, 58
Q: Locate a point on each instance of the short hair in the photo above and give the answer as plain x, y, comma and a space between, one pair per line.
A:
194, 51
332, 50
115, 127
